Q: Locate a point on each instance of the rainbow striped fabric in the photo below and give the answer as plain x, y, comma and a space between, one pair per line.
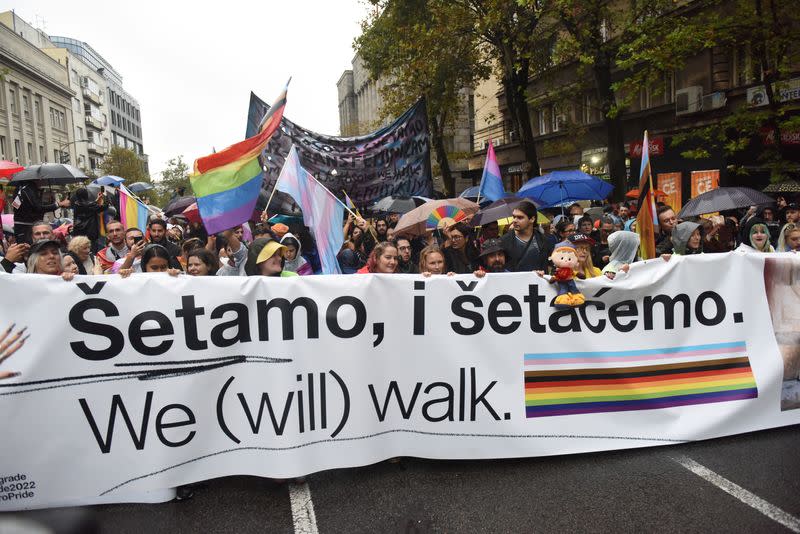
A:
649, 379
227, 182
646, 217
132, 213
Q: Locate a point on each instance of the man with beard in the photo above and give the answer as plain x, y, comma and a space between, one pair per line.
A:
117, 247
525, 249
158, 236
492, 258
405, 264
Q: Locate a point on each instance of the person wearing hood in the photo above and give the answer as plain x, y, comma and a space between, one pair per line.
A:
623, 246
687, 238
789, 239
86, 221
755, 234
266, 258
295, 262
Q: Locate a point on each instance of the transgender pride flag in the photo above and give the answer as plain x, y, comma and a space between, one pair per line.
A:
322, 211
491, 181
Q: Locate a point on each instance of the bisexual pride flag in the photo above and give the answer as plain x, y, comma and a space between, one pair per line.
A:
491, 182
132, 213
569, 383
226, 183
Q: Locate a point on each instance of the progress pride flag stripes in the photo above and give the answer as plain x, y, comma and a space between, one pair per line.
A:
710, 373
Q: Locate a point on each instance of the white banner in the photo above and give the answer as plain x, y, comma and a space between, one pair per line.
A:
152, 382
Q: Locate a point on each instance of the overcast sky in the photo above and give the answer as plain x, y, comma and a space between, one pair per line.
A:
192, 65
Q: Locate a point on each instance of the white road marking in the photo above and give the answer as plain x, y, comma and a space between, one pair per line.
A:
750, 499
305, 522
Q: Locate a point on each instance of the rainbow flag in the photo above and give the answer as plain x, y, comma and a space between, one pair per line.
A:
646, 217
132, 213
491, 181
227, 183
646, 379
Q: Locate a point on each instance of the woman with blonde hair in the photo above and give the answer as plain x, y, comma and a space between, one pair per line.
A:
583, 249
80, 248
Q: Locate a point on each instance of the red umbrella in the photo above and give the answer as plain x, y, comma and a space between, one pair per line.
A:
634, 193
7, 168
192, 213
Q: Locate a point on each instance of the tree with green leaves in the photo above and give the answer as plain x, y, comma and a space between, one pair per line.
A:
174, 180
422, 50
762, 36
442, 41
125, 164
594, 33
509, 37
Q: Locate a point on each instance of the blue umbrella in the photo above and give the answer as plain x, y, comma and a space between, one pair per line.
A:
559, 187
113, 181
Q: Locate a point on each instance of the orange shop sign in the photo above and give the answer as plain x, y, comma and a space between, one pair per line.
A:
704, 181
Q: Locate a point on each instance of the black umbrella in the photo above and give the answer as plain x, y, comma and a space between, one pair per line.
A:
177, 205
51, 173
392, 204
281, 204
722, 199
499, 209
138, 187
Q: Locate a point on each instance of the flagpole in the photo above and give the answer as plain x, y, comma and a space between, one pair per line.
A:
274, 188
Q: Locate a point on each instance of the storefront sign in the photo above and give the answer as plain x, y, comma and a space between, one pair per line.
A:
785, 91
704, 181
656, 148
670, 183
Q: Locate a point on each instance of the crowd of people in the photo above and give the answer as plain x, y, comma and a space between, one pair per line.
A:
605, 241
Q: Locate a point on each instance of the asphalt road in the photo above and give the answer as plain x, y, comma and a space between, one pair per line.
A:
621, 491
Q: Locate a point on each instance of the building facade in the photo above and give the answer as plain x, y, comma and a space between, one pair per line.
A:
570, 134
60, 101
122, 113
36, 119
360, 103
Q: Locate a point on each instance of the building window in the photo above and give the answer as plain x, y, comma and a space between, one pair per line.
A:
41, 154
544, 120
16, 150
3, 146
80, 134
558, 119
746, 70
26, 109
37, 111
13, 101
30, 153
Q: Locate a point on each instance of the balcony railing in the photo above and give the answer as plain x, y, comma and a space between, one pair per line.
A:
500, 134
94, 122
92, 96
95, 148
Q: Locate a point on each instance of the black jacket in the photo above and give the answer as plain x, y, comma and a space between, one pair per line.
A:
532, 259
31, 208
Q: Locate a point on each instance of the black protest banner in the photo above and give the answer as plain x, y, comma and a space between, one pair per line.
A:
394, 160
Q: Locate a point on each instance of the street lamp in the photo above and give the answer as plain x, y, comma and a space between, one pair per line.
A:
65, 157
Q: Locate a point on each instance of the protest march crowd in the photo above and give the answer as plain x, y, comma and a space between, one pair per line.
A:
604, 241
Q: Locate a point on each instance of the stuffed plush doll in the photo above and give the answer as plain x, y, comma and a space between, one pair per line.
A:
565, 259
